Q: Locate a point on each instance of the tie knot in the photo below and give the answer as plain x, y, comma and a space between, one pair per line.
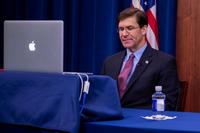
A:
131, 56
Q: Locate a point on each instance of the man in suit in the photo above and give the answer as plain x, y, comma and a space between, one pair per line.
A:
149, 67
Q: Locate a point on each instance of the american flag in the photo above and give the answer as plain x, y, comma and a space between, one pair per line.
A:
149, 6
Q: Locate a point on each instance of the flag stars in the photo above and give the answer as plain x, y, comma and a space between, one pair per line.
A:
145, 3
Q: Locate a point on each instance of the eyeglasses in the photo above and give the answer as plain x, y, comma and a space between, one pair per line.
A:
127, 29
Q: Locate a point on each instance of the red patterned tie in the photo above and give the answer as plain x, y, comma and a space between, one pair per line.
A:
123, 76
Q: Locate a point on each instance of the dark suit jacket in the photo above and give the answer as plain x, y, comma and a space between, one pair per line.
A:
154, 68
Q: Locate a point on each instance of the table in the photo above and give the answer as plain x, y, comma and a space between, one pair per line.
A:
50, 101
40, 100
186, 122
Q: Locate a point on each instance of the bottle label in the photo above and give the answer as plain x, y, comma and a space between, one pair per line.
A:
158, 105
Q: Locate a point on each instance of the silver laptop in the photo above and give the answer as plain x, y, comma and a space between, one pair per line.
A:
35, 46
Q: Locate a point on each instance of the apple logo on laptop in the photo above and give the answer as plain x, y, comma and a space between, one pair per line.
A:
31, 46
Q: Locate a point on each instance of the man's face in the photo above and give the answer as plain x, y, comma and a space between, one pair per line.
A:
130, 33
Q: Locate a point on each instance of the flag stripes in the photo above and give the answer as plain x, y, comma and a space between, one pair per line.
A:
149, 6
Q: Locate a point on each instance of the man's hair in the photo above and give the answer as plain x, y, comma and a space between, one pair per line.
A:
140, 15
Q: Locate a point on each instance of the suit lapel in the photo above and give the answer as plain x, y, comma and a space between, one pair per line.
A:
144, 62
119, 62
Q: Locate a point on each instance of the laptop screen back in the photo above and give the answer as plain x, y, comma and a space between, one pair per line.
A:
35, 46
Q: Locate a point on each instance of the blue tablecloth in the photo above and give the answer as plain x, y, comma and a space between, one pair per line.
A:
50, 102
133, 123
40, 100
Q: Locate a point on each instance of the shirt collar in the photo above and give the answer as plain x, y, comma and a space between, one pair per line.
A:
137, 53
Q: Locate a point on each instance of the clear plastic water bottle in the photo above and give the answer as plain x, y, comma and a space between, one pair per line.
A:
158, 100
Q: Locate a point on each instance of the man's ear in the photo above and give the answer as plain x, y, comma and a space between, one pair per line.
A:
144, 30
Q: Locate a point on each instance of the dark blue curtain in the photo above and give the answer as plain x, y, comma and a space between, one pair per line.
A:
90, 27
166, 15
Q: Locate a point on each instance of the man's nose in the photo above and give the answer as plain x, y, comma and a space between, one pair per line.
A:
124, 32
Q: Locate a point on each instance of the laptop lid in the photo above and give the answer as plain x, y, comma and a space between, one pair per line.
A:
35, 46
